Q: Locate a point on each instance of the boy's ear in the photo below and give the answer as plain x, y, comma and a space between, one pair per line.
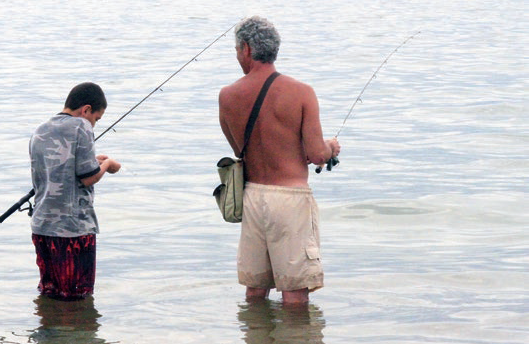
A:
85, 109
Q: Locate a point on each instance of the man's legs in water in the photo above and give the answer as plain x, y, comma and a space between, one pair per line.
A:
299, 296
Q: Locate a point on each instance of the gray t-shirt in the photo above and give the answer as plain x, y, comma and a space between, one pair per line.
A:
62, 153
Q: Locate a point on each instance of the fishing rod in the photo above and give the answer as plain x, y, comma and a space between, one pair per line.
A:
26, 199
194, 58
334, 161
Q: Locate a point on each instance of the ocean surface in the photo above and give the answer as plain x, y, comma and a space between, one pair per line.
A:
424, 224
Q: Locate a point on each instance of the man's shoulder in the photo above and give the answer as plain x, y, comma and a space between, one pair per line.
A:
233, 87
233, 92
246, 82
294, 82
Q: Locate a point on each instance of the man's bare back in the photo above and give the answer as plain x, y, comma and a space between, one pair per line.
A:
287, 134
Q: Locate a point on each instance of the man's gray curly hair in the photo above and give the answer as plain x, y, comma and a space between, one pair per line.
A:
261, 36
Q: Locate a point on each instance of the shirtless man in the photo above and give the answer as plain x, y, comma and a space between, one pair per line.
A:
279, 245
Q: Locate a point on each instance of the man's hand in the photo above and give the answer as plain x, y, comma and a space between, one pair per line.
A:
335, 146
335, 151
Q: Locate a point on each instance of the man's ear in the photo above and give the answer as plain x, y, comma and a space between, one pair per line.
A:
246, 49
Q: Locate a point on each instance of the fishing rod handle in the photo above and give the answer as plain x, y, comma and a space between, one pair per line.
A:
17, 205
330, 164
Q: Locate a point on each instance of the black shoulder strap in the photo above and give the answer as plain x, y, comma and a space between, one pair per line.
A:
255, 110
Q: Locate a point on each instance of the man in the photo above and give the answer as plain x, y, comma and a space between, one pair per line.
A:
64, 169
279, 244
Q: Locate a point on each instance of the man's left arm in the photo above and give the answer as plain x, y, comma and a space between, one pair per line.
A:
223, 113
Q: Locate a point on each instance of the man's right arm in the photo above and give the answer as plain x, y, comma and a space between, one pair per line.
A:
318, 150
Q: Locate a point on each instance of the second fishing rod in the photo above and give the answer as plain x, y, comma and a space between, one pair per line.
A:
26, 199
334, 161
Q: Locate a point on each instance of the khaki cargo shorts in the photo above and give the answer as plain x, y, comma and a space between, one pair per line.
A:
280, 244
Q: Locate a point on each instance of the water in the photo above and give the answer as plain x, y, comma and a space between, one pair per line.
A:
424, 223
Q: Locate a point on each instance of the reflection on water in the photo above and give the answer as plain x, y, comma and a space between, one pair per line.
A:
270, 322
66, 322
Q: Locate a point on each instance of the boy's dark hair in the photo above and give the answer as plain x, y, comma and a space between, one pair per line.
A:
86, 93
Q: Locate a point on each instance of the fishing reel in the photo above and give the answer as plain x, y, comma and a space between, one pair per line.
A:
29, 208
330, 164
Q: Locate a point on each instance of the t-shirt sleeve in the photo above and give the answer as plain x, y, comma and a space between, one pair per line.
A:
86, 164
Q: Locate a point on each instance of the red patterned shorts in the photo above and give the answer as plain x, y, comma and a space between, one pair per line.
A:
67, 265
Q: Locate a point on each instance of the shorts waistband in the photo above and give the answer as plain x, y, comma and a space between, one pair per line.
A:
279, 188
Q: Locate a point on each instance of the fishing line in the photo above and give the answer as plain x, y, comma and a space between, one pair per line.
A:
334, 161
359, 98
26, 199
194, 58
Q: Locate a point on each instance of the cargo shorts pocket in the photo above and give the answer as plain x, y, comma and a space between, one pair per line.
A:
313, 253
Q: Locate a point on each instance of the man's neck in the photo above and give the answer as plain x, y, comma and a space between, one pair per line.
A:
258, 68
